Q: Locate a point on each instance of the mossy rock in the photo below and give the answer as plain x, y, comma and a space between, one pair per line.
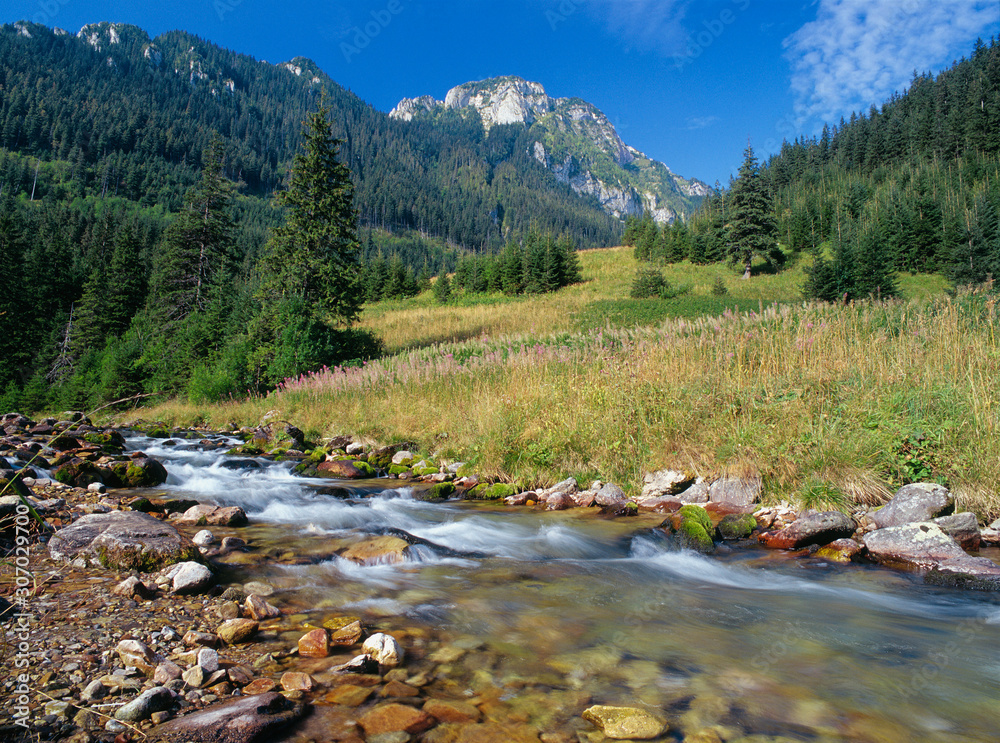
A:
317, 455
145, 473
736, 526
159, 432
496, 491
692, 527
441, 490
423, 471
247, 450
78, 474
399, 469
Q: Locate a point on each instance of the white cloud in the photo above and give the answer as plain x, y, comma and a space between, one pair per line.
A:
857, 52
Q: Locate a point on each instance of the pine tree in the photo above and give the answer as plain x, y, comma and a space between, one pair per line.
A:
198, 247
442, 289
752, 228
314, 256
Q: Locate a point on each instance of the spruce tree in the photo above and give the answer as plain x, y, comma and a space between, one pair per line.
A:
314, 256
752, 228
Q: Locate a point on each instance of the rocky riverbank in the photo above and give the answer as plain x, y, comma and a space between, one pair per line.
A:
136, 629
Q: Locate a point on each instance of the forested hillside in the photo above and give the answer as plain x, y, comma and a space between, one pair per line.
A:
103, 138
913, 185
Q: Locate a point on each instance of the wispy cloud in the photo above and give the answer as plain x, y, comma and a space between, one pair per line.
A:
701, 122
656, 25
857, 52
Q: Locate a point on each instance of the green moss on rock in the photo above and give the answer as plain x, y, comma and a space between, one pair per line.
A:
441, 490
737, 526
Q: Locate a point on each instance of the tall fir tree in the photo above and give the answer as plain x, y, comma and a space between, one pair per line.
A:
752, 227
314, 256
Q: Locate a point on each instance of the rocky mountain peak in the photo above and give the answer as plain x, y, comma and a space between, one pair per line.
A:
574, 140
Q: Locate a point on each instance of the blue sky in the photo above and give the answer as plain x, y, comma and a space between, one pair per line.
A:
686, 81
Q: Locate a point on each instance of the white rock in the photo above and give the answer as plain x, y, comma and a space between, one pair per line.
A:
189, 577
208, 659
384, 649
401, 456
204, 538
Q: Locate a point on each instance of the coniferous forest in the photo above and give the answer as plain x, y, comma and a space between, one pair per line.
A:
118, 153
913, 185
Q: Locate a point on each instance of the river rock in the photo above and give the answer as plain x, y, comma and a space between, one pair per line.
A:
378, 551
236, 631
741, 491
392, 717
734, 526
208, 659
446, 710
919, 546
195, 677
132, 588
665, 482
203, 538
189, 578
920, 501
345, 469
137, 654
205, 514
122, 540
314, 644
610, 496
970, 573
143, 706
257, 608
559, 502
384, 649
249, 719
166, 672
840, 550
692, 528
297, 681
963, 528
625, 723
815, 528
348, 634
143, 472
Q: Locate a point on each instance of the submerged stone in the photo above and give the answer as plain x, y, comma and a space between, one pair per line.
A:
625, 723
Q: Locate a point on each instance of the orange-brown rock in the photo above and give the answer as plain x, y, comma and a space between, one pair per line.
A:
377, 551
449, 711
349, 695
393, 718
399, 689
259, 686
347, 635
296, 681
314, 644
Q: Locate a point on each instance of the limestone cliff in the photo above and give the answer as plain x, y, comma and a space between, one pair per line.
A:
575, 141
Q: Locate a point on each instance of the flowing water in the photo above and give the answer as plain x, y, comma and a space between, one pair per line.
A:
561, 610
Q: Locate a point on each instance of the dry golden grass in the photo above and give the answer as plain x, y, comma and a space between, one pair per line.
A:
827, 404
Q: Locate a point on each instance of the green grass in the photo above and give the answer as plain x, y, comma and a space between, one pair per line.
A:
828, 404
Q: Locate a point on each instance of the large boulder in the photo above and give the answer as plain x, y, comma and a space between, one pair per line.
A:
916, 546
741, 491
610, 496
122, 540
815, 528
963, 528
665, 482
971, 573
920, 501
241, 720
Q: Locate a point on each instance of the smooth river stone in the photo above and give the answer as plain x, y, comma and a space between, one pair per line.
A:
314, 644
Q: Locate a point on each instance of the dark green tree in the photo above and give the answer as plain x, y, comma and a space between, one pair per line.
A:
314, 255
752, 227
442, 289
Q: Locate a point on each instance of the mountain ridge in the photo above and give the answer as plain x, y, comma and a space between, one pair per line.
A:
574, 140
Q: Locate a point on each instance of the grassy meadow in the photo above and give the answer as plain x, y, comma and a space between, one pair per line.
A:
830, 405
